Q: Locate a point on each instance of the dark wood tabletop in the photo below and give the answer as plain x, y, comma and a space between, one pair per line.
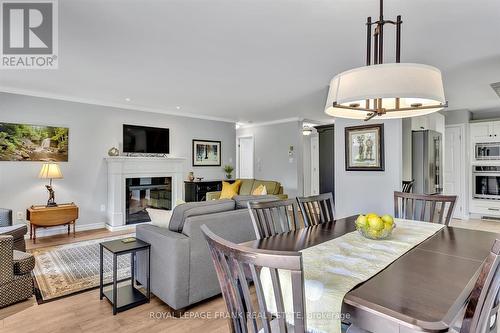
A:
423, 290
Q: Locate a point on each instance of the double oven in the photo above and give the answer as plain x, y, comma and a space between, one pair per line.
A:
486, 182
486, 177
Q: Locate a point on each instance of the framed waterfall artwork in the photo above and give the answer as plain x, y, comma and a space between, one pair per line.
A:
24, 142
364, 148
206, 153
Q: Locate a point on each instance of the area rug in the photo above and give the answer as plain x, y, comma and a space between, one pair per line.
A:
67, 269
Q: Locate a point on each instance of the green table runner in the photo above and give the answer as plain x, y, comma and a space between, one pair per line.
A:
333, 268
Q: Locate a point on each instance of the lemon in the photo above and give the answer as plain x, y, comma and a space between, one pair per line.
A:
388, 227
361, 221
375, 223
371, 215
388, 219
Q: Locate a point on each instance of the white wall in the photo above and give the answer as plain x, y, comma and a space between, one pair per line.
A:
92, 131
457, 117
407, 149
368, 191
271, 160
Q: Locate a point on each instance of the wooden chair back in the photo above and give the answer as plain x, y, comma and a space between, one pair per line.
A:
270, 218
484, 296
421, 207
234, 265
408, 185
317, 209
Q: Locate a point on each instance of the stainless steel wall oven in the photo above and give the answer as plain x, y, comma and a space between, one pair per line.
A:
486, 182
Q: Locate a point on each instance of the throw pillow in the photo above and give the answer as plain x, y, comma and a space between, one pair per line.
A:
230, 190
260, 190
159, 217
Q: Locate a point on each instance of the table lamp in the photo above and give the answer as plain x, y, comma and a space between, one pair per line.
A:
50, 171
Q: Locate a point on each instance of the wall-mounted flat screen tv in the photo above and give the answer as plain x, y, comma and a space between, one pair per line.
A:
148, 140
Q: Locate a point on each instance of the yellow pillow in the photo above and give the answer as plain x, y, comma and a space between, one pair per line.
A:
260, 190
230, 190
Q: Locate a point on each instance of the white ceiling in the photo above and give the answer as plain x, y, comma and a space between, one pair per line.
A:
255, 60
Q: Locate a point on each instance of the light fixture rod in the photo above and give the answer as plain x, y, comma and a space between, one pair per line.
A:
381, 34
368, 41
398, 39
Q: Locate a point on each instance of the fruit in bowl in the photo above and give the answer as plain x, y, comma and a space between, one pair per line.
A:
375, 227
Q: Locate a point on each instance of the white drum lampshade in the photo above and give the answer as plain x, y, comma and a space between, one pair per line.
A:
405, 90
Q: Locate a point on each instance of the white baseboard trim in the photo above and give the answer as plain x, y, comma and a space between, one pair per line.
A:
44, 232
130, 227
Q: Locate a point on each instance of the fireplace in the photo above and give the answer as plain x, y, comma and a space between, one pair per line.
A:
146, 192
124, 183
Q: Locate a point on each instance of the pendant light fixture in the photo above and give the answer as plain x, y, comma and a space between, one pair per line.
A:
386, 91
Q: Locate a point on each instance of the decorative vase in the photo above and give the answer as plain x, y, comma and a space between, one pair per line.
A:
191, 176
229, 176
113, 151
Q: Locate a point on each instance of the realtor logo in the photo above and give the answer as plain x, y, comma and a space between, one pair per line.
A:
29, 34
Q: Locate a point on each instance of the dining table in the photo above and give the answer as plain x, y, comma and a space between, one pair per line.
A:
424, 290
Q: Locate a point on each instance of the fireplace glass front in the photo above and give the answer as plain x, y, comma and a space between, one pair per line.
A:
148, 192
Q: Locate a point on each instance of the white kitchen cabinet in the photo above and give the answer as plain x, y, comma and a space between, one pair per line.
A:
479, 131
419, 123
433, 121
495, 129
485, 131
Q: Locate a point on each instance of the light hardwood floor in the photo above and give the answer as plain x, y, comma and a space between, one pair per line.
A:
86, 313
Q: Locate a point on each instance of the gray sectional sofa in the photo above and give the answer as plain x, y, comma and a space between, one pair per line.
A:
182, 272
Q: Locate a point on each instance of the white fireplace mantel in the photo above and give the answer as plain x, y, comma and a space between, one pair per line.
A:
122, 167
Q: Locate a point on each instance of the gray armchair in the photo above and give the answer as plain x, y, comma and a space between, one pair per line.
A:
16, 282
16, 231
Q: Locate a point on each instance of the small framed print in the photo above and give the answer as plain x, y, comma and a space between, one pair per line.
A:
364, 148
206, 153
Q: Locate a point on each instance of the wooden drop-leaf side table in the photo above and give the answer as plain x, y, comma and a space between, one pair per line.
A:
45, 217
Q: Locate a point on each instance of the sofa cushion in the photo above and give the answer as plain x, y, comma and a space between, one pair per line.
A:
246, 186
272, 187
261, 190
159, 217
188, 209
242, 200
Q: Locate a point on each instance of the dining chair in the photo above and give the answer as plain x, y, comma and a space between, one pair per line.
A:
421, 207
270, 218
317, 209
484, 296
408, 185
234, 263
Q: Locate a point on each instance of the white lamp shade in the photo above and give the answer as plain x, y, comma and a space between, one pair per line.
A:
50, 171
411, 83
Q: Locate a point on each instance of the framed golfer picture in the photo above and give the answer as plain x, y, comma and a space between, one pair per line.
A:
206, 153
364, 148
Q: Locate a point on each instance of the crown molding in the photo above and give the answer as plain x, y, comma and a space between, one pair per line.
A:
140, 108
271, 122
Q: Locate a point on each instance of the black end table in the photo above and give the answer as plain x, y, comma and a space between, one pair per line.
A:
127, 296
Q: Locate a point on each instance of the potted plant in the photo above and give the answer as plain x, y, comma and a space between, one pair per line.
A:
228, 169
